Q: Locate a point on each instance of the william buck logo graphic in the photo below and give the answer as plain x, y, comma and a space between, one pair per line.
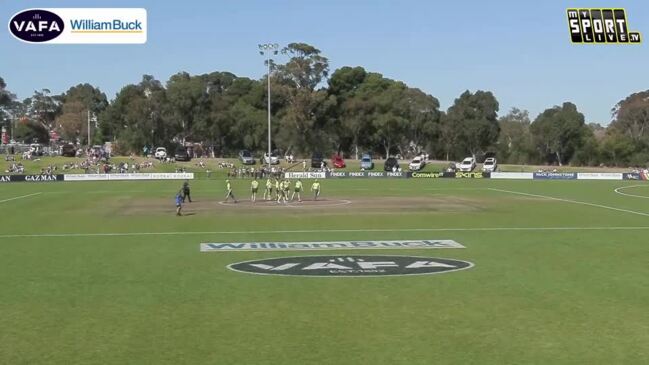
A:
350, 265
600, 26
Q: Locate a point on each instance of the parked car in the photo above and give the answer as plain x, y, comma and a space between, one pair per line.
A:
467, 165
489, 165
417, 164
391, 164
317, 160
160, 153
338, 162
274, 159
68, 150
182, 154
246, 157
366, 162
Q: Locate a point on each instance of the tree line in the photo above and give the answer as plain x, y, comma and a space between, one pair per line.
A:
349, 111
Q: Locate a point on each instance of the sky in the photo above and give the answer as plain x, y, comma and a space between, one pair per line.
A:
519, 50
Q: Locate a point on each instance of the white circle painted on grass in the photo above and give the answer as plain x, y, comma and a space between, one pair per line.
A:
619, 191
294, 204
332, 203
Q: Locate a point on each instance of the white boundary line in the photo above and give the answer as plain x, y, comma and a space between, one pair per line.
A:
471, 229
19, 197
571, 201
619, 191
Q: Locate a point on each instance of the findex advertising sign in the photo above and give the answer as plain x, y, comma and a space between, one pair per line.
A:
80, 25
366, 174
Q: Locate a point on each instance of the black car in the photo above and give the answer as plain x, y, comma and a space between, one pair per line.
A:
316, 160
182, 155
390, 163
68, 150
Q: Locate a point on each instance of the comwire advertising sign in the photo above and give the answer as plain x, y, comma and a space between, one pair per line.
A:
80, 25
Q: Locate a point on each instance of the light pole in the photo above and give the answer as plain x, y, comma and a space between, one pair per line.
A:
88, 128
268, 50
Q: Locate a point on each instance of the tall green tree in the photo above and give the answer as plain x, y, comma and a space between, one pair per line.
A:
558, 132
631, 116
301, 128
515, 143
5, 96
351, 122
188, 100
6, 101
616, 148
424, 121
43, 108
236, 119
78, 104
474, 116
137, 117
30, 131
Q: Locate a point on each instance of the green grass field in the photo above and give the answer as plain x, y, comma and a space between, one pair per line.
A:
104, 273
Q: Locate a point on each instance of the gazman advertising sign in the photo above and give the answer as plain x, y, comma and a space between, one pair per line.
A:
80, 25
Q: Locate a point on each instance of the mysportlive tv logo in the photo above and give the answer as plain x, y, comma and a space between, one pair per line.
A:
603, 26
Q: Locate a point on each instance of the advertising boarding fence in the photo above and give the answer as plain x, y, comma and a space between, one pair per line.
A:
555, 176
30, 178
130, 177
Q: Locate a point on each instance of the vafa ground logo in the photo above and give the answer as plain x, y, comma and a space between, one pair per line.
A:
80, 25
350, 265
600, 26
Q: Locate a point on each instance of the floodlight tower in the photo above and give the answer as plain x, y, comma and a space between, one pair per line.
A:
268, 50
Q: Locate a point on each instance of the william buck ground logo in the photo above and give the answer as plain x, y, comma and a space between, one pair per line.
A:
350, 265
600, 26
